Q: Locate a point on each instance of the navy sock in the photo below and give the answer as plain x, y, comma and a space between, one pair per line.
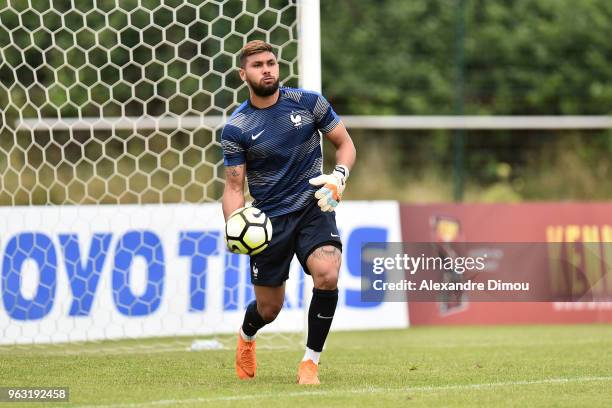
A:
320, 316
252, 320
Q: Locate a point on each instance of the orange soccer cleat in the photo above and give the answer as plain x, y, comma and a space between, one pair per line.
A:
246, 363
307, 373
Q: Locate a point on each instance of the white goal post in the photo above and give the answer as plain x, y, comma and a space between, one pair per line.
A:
406, 122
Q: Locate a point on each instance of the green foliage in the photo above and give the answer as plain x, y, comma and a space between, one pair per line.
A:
379, 57
521, 56
134, 57
110, 58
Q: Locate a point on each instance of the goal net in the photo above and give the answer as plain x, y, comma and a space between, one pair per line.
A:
111, 165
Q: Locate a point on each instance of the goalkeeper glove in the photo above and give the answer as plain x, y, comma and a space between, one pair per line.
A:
333, 185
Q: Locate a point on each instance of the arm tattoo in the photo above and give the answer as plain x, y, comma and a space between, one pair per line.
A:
233, 170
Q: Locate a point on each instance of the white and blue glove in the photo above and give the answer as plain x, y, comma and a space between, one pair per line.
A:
333, 184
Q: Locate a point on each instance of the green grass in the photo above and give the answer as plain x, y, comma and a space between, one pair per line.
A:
559, 366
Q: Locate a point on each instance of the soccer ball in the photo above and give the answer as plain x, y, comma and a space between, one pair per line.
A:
248, 231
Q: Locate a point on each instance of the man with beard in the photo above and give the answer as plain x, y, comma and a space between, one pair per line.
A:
273, 140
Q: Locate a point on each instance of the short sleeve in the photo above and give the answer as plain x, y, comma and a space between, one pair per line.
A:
233, 150
325, 117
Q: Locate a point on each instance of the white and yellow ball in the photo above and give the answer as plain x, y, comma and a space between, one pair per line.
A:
248, 231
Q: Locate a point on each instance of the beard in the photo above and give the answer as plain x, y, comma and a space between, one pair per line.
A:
263, 90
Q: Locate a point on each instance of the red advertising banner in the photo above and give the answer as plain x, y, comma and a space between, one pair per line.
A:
571, 224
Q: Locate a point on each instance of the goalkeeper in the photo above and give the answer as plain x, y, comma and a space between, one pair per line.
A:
273, 140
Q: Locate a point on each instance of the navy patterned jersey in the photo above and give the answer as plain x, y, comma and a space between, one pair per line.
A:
281, 148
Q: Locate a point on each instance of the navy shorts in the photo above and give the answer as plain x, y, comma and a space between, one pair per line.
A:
299, 233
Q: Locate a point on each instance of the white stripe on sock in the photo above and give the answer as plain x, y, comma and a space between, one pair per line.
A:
312, 355
245, 337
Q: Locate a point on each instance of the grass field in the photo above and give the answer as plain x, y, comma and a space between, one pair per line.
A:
560, 366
